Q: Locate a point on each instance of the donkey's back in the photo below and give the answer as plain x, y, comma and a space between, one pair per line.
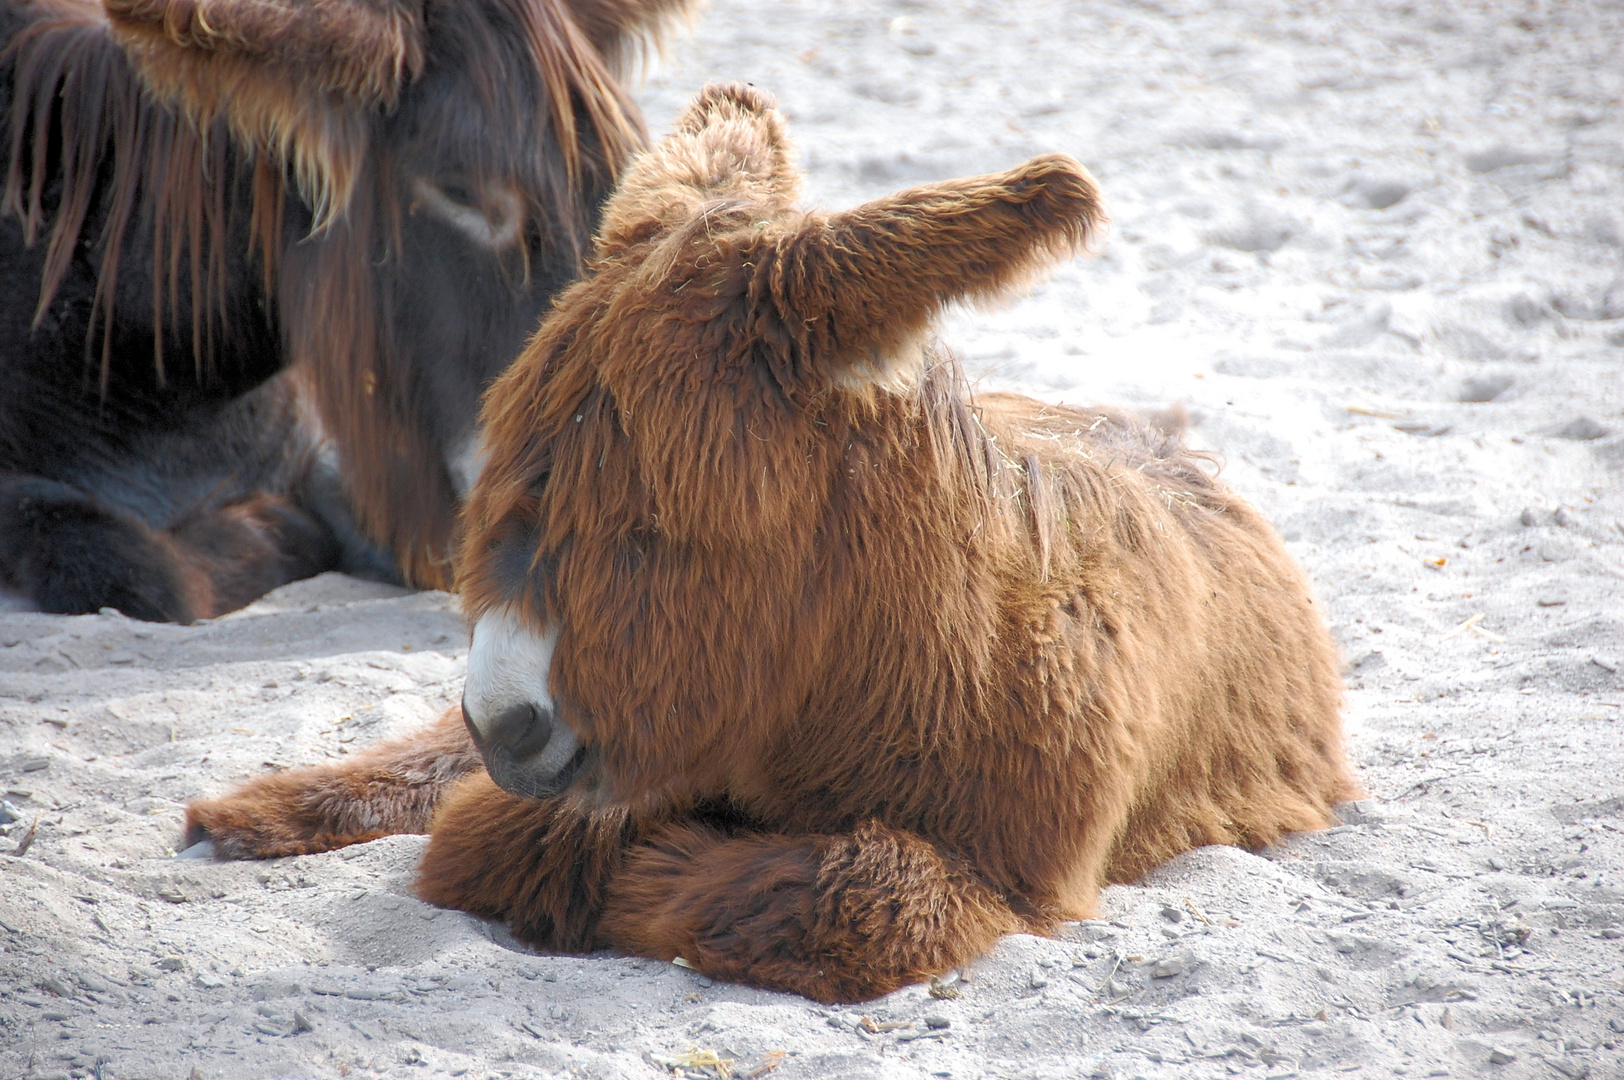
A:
1197, 624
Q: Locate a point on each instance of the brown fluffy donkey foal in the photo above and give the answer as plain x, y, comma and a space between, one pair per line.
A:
793, 660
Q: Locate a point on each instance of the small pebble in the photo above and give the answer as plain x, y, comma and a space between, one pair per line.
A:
705, 981
271, 990
301, 1022
91, 981
1039, 980
1499, 1055
1172, 914
1582, 429
56, 986
171, 963
1528, 517
1484, 388
936, 1022
1166, 969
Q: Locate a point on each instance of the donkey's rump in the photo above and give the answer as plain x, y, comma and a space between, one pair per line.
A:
1188, 628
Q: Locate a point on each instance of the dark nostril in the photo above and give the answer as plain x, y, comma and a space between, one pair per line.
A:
518, 731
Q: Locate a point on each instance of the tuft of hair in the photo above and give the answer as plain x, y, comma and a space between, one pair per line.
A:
73, 91
628, 34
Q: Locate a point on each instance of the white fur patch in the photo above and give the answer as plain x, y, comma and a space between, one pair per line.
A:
494, 224
508, 666
466, 462
896, 374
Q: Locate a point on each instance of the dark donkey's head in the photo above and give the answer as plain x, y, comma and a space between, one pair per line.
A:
419, 178
653, 556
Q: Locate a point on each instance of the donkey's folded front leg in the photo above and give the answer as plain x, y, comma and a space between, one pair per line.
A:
390, 788
543, 866
836, 918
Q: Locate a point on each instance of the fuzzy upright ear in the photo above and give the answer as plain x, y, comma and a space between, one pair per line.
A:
729, 146
849, 291
733, 140
293, 78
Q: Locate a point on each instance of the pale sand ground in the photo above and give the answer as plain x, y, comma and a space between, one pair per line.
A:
1332, 226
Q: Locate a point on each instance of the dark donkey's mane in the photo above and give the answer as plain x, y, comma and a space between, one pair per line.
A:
111, 119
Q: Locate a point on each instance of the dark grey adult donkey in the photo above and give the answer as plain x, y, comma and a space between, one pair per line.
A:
258, 260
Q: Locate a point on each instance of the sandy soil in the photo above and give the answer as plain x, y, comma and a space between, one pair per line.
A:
1375, 249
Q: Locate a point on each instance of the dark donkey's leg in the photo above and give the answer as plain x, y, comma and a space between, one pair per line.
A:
71, 555
837, 918
392, 788
243, 550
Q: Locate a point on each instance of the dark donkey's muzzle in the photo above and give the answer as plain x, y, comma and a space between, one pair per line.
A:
509, 710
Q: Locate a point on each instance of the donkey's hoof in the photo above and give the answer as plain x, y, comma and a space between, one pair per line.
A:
203, 849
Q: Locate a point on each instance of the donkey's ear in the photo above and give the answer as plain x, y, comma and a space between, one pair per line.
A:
736, 134
729, 146
850, 290
293, 78
623, 30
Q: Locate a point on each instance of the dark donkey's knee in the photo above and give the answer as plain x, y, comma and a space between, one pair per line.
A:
243, 550
71, 555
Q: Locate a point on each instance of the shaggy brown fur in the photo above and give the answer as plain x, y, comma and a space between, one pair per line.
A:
868, 672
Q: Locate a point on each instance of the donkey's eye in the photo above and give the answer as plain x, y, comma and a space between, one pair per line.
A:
491, 215
458, 192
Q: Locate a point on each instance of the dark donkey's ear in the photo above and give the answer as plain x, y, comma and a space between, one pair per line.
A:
298, 79
621, 29
849, 291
